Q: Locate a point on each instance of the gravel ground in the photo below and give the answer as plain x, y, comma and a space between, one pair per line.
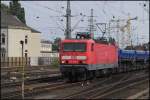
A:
61, 93
58, 94
128, 91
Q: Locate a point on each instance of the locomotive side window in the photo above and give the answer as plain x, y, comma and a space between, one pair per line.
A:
80, 47
92, 47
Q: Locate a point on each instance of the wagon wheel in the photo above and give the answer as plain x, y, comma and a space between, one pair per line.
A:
80, 77
74, 77
84, 76
124, 68
69, 77
133, 65
91, 75
98, 73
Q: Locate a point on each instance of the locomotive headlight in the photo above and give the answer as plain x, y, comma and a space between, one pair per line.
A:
81, 57
63, 62
66, 57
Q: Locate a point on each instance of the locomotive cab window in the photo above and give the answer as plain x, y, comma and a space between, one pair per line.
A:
76, 47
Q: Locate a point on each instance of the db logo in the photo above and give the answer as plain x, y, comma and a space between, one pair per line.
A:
73, 57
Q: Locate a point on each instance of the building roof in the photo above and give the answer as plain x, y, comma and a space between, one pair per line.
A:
46, 41
8, 19
33, 30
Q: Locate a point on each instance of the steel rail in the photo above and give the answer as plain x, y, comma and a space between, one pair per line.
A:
104, 88
31, 91
139, 94
111, 86
121, 88
90, 89
31, 81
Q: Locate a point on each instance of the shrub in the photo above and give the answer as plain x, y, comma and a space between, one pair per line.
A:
55, 63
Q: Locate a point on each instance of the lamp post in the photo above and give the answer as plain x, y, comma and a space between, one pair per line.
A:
22, 44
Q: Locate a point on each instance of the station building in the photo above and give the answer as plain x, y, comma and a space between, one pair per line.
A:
12, 32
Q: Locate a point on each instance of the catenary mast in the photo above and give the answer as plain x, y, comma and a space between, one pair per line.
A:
91, 26
68, 21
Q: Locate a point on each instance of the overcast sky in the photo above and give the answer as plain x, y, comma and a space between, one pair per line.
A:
43, 19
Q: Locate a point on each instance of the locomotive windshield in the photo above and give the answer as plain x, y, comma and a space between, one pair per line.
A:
80, 47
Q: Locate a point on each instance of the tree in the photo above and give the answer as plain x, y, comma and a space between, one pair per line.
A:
17, 10
55, 45
4, 7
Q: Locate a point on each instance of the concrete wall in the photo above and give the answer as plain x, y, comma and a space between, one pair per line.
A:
14, 37
34, 45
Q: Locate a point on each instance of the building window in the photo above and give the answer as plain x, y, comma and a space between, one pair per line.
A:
3, 38
3, 52
26, 39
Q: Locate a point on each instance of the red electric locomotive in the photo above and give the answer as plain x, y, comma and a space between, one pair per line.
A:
82, 59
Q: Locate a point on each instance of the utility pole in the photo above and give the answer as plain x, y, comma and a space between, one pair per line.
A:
118, 26
121, 41
22, 44
109, 29
68, 21
137, 39
91, 26
129, 29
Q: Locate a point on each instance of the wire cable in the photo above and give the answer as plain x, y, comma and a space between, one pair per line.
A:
49, 8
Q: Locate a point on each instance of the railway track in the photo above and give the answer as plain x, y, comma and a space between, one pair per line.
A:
29, 89
12, 76
101, 88
27, 68
33, 90
52, 77
38, 89
120, 88
15, 76
140, 95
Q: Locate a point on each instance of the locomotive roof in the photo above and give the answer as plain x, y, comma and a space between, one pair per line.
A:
78, 40
84, 41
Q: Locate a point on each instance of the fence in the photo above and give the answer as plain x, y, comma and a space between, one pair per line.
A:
46, 60
30, 61
14, 61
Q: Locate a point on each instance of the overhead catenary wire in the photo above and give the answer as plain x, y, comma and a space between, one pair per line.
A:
51, 30
104, 13
60, 12
109, 10
52, 17
74, 27
58, 25
121, 9
98, 6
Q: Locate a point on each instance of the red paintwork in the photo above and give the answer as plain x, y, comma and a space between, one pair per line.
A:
102, 54
105, 54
